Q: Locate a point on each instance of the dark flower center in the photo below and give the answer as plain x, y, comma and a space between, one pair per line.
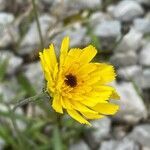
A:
71, 80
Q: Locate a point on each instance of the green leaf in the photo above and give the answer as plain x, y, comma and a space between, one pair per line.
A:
7, 136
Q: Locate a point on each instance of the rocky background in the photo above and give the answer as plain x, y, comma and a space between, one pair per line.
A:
120, 29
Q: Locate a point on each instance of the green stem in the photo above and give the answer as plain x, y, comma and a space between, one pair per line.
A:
30, 99
38, 24
57, 140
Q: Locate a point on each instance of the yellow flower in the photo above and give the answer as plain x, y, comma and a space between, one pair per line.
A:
78, 85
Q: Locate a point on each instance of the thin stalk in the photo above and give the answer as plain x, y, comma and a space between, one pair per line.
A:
57, 138
28, 100
38, 23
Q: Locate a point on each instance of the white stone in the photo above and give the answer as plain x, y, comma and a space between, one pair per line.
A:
131, 41
146, 79
9, 90
142, 25
127, 10
108, 29
101, 128
145, 2
12, 61
31, 38
141, 134
77, 36
34, 74
124, 59
98, 17
9, 33
132, 108
130, 72
144, 57
6, 18
84, 4
81, 145
124, 144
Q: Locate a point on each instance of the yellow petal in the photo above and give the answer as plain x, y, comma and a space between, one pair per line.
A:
99, 94
82, 89
75, 115
72, 58
86, 69
66, 103
55, 72
57, 104
115, 95
92, 99
82, 108
48, 62
87, 54
107, 73
106, 108
64, 50
50, 57
44, 66
92, 116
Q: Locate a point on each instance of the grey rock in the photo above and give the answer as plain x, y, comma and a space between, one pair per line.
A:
108, 29
134, 73
124, 59
141, 134
2, 143
84, 4
6, 18
12, 61
77, 36
132, 108
8, 30
144, 57
124, 144
142, 25
79, 145
101, 128
130, 72
127, 10
68, 8
34, 74
119, 131
145, 2
146, 79
31, 40
131, 41
8, 90
98, 17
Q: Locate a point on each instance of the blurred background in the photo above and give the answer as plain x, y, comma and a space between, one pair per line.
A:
119, 29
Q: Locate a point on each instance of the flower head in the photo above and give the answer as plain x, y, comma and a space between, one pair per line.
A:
78, 85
